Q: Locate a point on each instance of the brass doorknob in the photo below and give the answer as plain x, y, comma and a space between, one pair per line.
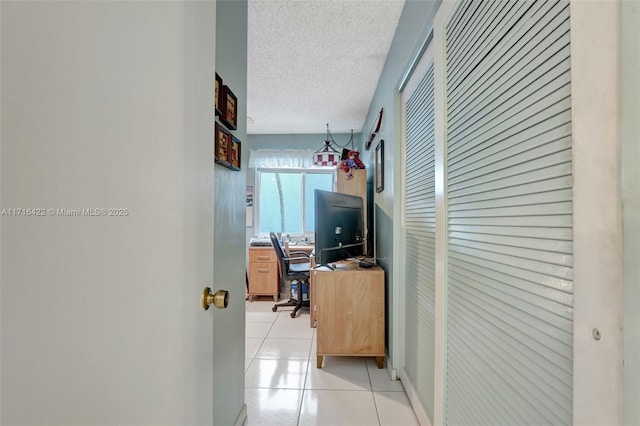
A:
220, 299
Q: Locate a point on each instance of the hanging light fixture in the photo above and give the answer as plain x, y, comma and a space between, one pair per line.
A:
328, 156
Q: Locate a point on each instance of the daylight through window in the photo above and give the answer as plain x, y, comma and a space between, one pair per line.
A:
285, 199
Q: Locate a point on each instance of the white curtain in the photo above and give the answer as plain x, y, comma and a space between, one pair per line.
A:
282, 158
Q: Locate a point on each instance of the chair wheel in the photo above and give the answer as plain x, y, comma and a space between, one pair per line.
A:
275, 308
293, 314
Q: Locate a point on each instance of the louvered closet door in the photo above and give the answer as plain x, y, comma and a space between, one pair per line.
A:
419, 241
510, 250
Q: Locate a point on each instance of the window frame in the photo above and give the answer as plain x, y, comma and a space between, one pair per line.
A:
298, 170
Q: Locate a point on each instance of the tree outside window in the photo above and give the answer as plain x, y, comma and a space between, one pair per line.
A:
285, 200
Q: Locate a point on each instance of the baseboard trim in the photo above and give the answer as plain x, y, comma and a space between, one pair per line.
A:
242, 416
392, 371
418, 409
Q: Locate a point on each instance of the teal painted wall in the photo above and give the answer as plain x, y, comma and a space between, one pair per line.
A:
415, 24
229, 216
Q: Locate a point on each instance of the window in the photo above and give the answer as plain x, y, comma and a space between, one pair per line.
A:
285, 199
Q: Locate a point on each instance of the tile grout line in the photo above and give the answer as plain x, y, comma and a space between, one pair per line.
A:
302, 391
306, 377
372, 394
288, 359
263, 338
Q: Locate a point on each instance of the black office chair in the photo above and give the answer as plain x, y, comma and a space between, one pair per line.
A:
292, 272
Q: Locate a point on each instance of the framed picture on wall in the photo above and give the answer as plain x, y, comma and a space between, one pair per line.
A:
223, 140
229, 111
379, 164
234, 153
218, 96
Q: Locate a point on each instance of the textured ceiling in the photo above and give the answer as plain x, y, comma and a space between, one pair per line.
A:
313, 62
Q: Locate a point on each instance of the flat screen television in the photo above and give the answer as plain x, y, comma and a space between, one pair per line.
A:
339, 220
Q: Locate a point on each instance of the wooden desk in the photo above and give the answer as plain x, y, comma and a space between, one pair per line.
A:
349, 308
264, 273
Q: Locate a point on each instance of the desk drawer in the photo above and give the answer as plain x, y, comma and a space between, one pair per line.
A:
263, 278
262, 255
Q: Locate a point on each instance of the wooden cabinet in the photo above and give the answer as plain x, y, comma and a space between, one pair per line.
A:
356, 185
263, 273
349, 310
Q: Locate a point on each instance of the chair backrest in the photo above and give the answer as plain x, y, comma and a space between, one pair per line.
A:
282, 258
297, 271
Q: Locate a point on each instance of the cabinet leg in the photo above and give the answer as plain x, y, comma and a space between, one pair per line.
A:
319, 361
275, 298
380, 361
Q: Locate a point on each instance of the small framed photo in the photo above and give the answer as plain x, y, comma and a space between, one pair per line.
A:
217, 100
229, 111
223, 139
379, 163
234, 153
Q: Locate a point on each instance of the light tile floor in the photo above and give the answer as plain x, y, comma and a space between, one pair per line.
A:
283, 386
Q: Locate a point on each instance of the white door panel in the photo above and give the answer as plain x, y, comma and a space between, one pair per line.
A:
106, 105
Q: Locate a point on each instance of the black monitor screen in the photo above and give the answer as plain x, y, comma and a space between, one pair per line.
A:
339, 226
